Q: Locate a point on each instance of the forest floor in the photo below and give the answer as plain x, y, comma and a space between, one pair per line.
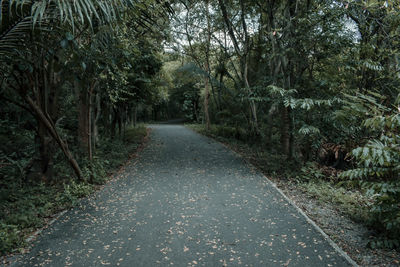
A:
185, 201
334, 212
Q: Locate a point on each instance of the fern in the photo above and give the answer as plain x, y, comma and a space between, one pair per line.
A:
309, 130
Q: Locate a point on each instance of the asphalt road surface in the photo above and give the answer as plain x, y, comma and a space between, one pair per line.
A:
185, 201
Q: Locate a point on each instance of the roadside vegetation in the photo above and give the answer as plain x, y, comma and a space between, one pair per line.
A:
309, 89
28, 205
75, 79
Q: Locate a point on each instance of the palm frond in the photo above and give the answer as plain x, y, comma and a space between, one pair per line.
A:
20, 18
15, 35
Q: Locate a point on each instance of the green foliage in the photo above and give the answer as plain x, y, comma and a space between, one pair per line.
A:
23, 210
378, 167
300, 57
135, 135
112, 152
9, 238
351, 203
73, 191
186, 93
310, 172
95, 57
316, 83
227, 131
25, 206
309, 130
222, 131
95, 171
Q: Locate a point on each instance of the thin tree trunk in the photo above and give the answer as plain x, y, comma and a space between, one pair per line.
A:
253, 106
97, 112
196, 114
285, 131
206, 98
46, 157
221, 79
83, 121
291, 138
119, 121
214, 95
242, 55
207, 67
270, 115
114, 121
135, 116
45, 152
53, 132
89, 126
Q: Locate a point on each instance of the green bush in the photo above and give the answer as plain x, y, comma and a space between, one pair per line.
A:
73, 191
224, 131
112, 152
352, 203
134, 135
310, 172
378, 168
9, 238
95, 171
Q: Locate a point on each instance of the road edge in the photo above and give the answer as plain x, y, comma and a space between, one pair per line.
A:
309, 220
291, 202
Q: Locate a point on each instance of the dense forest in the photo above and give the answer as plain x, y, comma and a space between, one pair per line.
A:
314, 83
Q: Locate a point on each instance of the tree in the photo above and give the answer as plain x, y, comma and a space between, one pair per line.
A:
242, 49
59, 36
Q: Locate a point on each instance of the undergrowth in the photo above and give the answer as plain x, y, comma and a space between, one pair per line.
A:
349, 200
25, 207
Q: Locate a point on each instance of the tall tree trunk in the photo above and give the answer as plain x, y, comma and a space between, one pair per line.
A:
207, 68
113, 122
242, 53
83, 120
271, 112
135, 115
206, 100
285, 131
45, 151
291, 138
214, 94
45, 96
245, 68
42, 99
119, 121
96, 114
221, 79
253, 106
195, 111
89, 126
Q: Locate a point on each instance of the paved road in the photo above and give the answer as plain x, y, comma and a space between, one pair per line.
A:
186, 201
